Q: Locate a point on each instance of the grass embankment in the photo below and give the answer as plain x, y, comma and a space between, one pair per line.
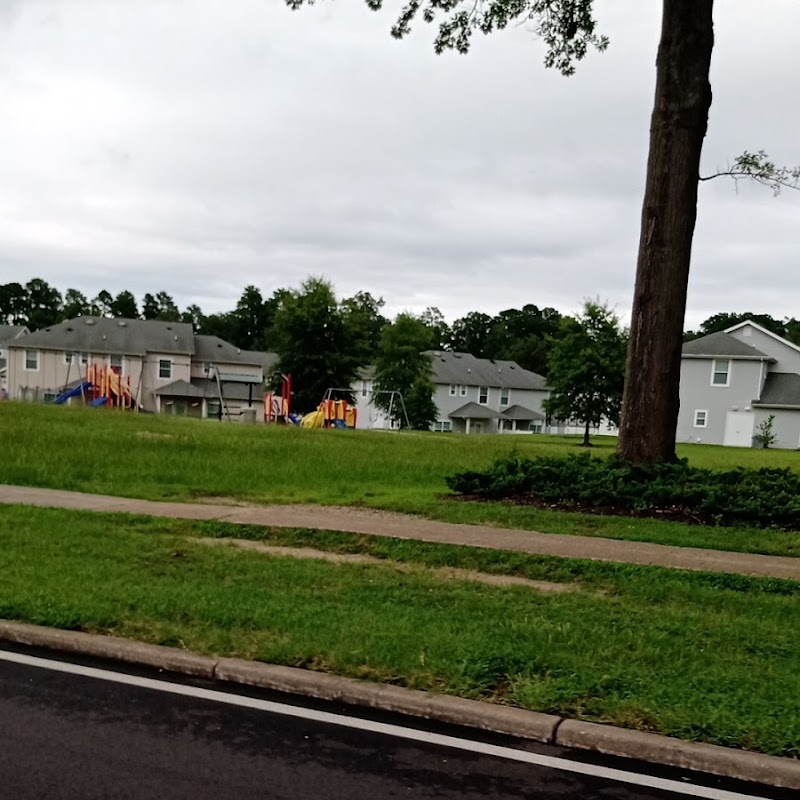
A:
167, 458
703, 657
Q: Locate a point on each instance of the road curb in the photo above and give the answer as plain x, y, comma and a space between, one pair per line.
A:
607, 739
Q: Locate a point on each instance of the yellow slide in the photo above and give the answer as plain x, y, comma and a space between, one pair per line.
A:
313, 420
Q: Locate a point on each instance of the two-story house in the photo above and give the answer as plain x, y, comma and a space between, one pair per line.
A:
472, 395
8, 334
170, 368
732, 381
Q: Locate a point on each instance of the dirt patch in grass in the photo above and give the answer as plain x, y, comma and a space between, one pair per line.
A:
451, 573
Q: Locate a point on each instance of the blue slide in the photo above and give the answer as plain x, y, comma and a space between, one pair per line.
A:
76, 392
98, 401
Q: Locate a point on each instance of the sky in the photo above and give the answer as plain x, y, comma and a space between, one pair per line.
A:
198, 146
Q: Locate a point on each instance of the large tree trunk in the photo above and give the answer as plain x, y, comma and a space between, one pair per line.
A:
678, 127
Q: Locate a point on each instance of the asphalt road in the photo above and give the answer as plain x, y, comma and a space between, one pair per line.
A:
65, 736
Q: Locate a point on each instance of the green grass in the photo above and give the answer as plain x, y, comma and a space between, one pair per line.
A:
704, 657
167, 458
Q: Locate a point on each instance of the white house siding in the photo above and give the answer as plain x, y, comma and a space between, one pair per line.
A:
787, 357
786, 426
698, 394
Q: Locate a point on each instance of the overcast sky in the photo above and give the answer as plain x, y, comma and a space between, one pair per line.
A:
198, 146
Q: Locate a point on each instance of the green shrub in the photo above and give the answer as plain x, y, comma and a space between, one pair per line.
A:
761, 497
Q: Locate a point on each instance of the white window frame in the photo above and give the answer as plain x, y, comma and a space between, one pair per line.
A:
714, 372
442, 426
161, 362
453, 390
462, 390
483, 395
70, 357
704, 412
121, 364
505, 397
36, 353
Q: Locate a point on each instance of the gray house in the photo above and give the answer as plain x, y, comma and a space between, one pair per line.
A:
732, 381
170, 368
8, 334
472, 395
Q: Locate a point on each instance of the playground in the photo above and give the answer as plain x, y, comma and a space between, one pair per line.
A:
101, 386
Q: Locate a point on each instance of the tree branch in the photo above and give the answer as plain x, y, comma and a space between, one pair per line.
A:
757, 167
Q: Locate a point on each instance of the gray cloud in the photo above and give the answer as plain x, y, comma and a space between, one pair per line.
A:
201, 147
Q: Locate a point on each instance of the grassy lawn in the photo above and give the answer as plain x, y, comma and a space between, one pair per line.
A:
712, 658
159, 457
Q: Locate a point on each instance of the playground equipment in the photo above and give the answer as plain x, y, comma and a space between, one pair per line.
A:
102, 386
277, 408
332, 413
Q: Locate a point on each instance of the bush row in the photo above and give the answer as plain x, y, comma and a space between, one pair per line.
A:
761, 497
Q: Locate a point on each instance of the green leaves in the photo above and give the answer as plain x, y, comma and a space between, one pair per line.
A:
567, 27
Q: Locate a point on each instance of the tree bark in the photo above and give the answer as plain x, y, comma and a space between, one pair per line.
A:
586, 442
680, 118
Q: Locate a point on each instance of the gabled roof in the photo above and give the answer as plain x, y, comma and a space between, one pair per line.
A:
474, 411
180, 389
212, 349
520, 412
113, 336
10, 332
751, 324
467, 370
723, 345
780, 389
204, 387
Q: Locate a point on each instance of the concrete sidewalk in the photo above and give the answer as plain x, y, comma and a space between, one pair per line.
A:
399, 526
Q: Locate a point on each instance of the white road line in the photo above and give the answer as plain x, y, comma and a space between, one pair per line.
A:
386, 729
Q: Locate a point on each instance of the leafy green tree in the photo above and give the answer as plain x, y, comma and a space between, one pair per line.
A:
586, 369
522, 335
103, 304
43, 304
75, 304
251, 318
420, 406
13, 304
124, 305
161, 307
678, 127
470, 333
403, 366
314, 343
222, 325
194, 316
720, 322
365, 323
440, 331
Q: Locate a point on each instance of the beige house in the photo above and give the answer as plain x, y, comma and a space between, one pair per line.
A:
8, 334
170, 368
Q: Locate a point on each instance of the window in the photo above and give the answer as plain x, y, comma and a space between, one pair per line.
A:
49, 397
214, 409
165, 368
700, 419
483, 395
70, 358
32, 360
443, 426
452, 390
536, 427
504, 394
721, 372
115, 362
462, 390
